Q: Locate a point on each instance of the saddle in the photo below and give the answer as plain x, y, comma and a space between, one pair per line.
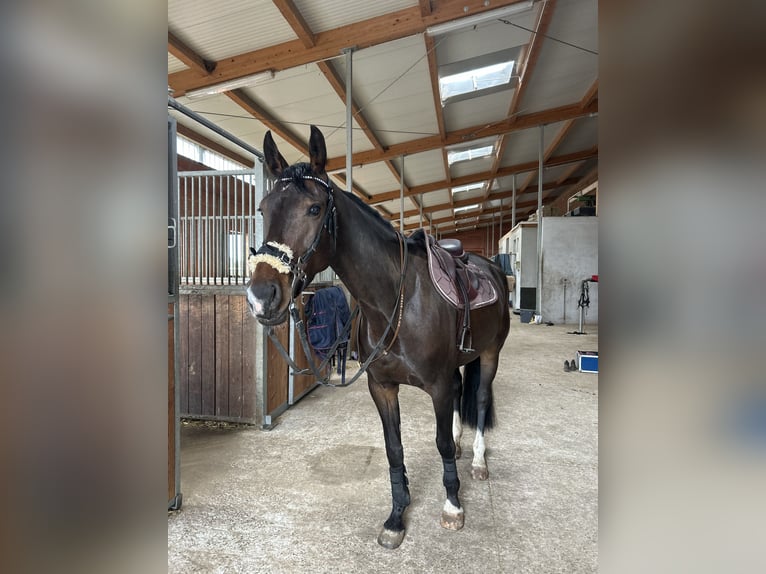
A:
460, 282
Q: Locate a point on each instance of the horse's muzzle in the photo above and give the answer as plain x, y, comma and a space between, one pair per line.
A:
263, 300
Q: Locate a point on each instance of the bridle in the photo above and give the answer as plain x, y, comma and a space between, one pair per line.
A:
297, 267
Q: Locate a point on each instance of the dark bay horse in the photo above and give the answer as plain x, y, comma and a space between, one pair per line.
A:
407, 330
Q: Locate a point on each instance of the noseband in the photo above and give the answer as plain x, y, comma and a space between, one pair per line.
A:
281, 256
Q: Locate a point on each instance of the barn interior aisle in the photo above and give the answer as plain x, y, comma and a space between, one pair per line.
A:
311, 494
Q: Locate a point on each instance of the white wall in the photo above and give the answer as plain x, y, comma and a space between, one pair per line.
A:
570, 251
522, 245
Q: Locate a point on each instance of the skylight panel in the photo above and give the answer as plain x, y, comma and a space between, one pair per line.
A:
454, 156
468, 187
475, 80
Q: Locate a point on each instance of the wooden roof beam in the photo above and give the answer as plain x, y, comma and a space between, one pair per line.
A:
213, 145
464, 135
297, 23
361, 193
533, 54
433, 73
378, 30
248, 104
494, 197
188, 56
339, 86
503, 172
559, 137
527, 68
591, 95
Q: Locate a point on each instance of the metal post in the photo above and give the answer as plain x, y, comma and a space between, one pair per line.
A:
401, 198
172, 103
500, 234
420, 207
538, 310
349, 52
513, 203
260, 350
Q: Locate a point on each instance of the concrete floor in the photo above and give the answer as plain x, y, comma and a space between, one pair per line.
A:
311, 494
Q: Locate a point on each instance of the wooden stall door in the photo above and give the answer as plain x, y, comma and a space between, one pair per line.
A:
174, 497
277, 376
302, 383
217, 354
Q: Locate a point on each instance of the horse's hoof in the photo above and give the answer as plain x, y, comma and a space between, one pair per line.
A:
390, 538
458, 451
452, 521
479, 473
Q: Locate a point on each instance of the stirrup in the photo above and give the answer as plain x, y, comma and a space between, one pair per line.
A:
461, 346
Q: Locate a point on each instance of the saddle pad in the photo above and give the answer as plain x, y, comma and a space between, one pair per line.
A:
442, 268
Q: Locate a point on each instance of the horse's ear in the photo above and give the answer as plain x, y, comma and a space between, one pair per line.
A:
253, 251
317, 151
274, 160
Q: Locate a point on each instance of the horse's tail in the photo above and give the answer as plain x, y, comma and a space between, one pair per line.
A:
469, 409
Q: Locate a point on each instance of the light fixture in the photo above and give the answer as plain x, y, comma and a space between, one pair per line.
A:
476, 19
243, 82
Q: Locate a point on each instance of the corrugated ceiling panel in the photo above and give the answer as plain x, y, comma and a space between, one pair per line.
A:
390, 89
216, 30
563, 73
422, 168
484, 39
375, 178
477, 111
440, 197
524, 146
224, 112
329, 14
477, 194
549, 174
302, 96
393, 206
583, 135
174, 64
479, 165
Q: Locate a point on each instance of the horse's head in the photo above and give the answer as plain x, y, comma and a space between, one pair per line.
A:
298, 231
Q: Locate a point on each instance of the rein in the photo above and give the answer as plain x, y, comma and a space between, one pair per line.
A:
297, 268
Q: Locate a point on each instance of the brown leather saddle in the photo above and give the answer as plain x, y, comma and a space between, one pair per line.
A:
460, 282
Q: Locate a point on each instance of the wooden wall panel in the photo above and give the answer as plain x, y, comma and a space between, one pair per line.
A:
183, 338
195, 354
217, 357
217, 371
249, 375
236, 387
207, 355
302, 383
221, 355
171, 407
276, 380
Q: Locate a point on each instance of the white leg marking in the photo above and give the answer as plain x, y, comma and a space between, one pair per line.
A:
450, 508
478, 450
457, 427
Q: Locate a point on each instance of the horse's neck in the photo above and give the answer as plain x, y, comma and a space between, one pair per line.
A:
367, 257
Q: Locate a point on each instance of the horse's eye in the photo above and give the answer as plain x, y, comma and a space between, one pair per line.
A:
315, 209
